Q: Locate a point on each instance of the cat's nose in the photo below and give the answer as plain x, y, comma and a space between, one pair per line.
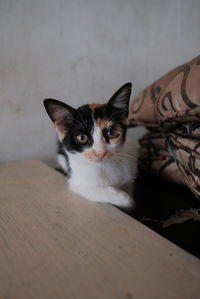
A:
100, 155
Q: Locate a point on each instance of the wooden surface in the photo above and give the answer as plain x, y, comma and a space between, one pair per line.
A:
57, 245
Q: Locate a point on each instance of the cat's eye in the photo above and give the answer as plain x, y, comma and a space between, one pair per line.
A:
82, 138
112, 133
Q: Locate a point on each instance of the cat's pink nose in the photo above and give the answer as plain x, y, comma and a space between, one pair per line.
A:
100, 155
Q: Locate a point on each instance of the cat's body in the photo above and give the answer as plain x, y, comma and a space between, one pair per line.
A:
94, 152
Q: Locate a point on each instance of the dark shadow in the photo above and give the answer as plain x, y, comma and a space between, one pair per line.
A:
160, 201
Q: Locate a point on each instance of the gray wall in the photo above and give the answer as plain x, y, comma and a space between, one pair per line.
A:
82, 51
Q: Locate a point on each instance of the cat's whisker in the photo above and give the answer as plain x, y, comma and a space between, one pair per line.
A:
117, 159
138, 159
125, 155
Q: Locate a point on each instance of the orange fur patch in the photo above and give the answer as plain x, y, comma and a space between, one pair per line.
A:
94, 106
102, 123
92, 155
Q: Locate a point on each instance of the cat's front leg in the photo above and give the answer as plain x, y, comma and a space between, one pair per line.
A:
108, 194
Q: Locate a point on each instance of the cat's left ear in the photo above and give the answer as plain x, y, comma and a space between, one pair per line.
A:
120, 100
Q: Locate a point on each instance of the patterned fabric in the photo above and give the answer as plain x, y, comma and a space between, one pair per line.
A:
170, 109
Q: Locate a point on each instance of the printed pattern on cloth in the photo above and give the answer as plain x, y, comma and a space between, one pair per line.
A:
170, 109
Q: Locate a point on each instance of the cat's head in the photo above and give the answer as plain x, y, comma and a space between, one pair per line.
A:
94, 130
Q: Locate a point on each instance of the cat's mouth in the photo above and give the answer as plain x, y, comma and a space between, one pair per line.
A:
107, 157
93, 156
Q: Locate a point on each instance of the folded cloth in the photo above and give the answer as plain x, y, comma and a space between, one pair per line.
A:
170, 109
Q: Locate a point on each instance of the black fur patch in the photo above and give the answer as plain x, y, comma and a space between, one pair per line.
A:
62, 152
82, 124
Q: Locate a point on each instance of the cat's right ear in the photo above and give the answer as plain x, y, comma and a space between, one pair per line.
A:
120, 100
61, 114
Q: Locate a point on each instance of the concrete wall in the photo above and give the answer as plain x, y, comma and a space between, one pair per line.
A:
82, 51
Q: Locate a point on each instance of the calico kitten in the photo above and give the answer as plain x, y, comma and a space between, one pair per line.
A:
93, 149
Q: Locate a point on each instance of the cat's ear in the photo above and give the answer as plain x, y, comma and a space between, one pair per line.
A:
61, 114
120, 100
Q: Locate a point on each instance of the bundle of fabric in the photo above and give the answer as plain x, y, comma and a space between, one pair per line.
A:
170, 110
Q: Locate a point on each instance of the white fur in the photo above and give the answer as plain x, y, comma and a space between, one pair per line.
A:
104, 181
98, 144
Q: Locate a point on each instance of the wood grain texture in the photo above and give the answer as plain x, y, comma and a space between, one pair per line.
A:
56, 245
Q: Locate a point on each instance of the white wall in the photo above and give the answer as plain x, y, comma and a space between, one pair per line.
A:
82, 51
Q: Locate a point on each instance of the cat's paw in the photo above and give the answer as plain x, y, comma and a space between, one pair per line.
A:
124, 201
129, 207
